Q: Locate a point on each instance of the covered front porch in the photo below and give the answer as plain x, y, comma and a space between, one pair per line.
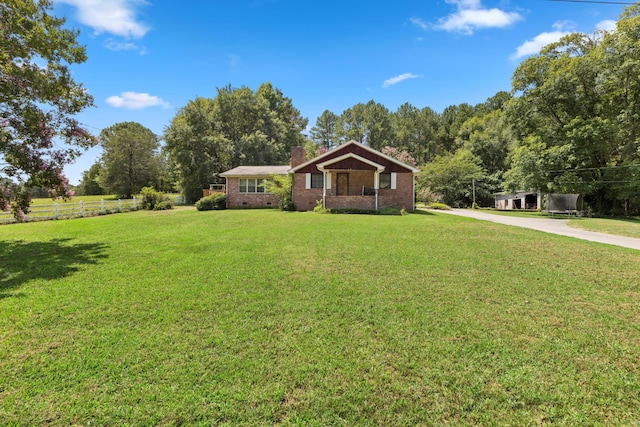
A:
352, 182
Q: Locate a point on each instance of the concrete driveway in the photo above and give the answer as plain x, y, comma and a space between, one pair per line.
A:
549, 225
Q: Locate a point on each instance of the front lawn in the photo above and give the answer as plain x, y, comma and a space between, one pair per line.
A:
260, 317
629, 227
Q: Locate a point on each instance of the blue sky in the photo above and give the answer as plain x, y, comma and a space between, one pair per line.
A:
147, 59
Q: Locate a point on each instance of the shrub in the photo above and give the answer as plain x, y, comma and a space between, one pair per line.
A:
280, 186
359, 211
153, 199
440, 206
217, 201
425, 195
391, 211
319, 208
286, 205
163, 205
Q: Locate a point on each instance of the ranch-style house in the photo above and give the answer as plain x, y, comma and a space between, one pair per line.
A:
351, 175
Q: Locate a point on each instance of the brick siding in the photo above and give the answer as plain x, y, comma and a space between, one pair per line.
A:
402, 197
304, 200
235, 199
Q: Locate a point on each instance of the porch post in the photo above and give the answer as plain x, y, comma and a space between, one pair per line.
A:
376, 184
324, 188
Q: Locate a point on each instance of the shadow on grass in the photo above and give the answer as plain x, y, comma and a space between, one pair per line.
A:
421, 211
23, 261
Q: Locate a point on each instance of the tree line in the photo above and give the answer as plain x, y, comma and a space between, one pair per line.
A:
570, 123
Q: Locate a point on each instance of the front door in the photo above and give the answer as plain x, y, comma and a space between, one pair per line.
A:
342, 184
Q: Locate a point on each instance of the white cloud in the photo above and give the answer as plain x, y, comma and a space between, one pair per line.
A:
397, 79
566, 25
471, 16
136, 101
116, 17
533, 46
117, 46
608, 25
419, 23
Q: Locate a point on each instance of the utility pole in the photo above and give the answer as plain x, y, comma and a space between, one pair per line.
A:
473, 183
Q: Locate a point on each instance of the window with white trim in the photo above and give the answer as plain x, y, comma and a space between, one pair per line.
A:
251, 185
317, 180
384, 180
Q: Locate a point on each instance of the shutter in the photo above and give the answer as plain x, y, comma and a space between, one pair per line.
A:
393, 180
307, 181
328, 180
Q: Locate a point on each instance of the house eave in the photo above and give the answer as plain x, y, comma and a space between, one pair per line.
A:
341, 147
323, 166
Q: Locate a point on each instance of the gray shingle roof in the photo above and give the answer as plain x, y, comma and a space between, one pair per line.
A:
256, 171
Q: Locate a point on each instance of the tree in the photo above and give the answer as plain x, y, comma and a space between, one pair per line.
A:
90, 183
377, 125
281, 186
38, 99
415, 131
283, 122
237, 127
196, 148
129, 158
351, 125
577, 112
451, 120
400, 155
450, 176
489, 138
324, 133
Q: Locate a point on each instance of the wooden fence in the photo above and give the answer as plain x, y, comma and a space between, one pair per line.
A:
80, 209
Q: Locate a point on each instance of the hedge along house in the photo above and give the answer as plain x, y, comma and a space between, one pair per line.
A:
352, 175
244, 186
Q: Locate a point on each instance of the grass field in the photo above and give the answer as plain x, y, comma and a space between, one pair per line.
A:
75, 199
629, 227
270, 318
91, 199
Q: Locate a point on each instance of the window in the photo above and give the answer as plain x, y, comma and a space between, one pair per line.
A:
385, 180
251, 185
317, 180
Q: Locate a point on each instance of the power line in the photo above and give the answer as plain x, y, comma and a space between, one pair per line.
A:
591, 169
594, 1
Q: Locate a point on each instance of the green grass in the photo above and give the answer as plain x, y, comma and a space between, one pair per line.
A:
75, 199
518, 213
629, 227
259, 317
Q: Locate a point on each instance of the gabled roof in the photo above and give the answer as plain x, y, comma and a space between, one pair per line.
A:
345, 147
241, 171
323, 165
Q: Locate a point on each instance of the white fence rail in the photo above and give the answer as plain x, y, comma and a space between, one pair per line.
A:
80, 209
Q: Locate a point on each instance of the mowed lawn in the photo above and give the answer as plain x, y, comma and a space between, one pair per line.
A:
629, 227
270, 318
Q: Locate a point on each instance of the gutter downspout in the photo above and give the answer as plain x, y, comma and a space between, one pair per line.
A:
414, 190
376, 184
226, 192
324, 187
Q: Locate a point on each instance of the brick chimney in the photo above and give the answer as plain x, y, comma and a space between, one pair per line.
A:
298, 156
